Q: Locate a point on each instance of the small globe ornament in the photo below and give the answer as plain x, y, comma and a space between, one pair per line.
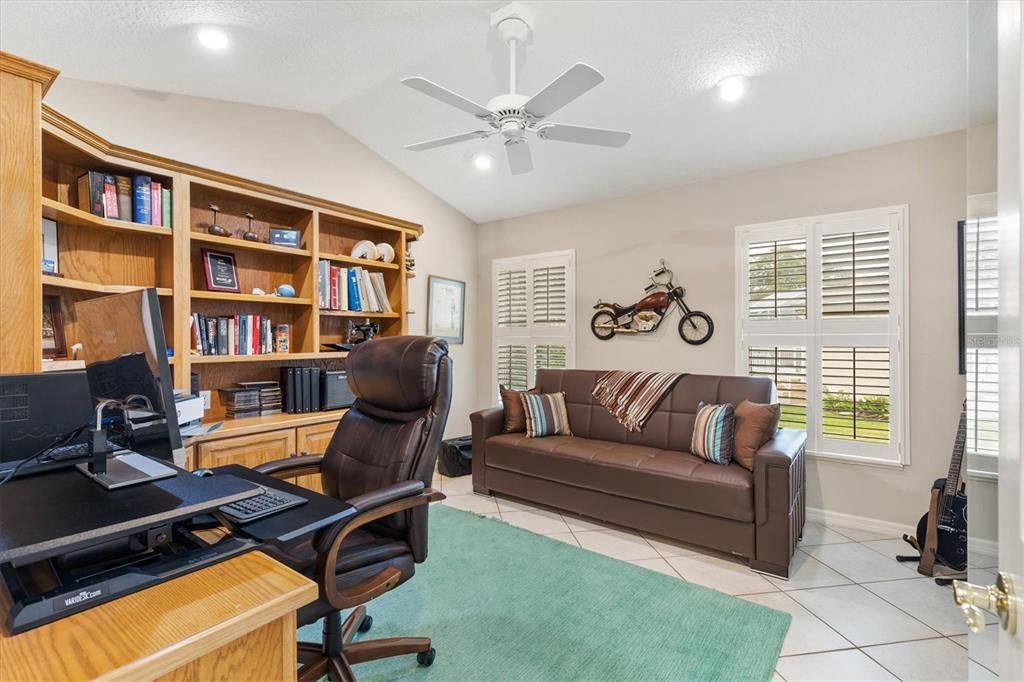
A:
215, 229
286, 291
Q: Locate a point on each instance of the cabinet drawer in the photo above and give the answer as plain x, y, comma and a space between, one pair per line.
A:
248, 451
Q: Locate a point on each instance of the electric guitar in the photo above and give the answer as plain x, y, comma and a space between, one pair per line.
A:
942, 532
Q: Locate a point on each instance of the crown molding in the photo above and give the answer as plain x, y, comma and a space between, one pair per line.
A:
44, 75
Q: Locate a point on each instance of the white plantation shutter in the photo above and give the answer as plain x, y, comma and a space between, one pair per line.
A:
533, 307
549, 294
550, 356
981, 298
787, 367
855, 394
510, 286
777, 279
513, 366
981, 241
855, 273
820, 302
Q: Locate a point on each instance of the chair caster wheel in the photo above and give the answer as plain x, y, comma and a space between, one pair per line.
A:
426, 658
366, 624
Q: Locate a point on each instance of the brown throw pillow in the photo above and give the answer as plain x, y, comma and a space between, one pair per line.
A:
755, 425
515, 416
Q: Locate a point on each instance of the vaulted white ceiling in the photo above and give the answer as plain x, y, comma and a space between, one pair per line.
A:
826, 77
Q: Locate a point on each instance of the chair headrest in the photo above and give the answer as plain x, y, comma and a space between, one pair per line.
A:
396, 373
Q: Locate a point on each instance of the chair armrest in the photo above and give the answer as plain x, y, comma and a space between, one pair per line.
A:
328, 543
291, 466
486, 423
376, 498
779, 500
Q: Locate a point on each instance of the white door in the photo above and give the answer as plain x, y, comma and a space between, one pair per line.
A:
996, 544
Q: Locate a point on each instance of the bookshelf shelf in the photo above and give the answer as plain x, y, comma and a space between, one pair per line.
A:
362, 262
250, 298
232, 243
79, 285
266, 357
68, 215
356, 314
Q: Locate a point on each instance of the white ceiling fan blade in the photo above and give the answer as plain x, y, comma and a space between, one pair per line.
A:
519, 160
451, 139
564, 89
445, 95
583, 135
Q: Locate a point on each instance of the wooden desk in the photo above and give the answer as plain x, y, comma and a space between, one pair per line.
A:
231, 621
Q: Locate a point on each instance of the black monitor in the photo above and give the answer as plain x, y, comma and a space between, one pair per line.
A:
122, 339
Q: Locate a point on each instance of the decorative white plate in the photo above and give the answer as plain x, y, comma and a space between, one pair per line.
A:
365, 249
385, 252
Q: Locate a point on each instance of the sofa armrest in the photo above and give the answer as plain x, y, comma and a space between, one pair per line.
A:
486, 423
779, 500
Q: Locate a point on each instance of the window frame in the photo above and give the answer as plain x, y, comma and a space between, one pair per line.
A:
532, 335
816, 331
980, 330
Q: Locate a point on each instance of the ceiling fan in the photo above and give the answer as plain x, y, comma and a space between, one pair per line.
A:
515, 115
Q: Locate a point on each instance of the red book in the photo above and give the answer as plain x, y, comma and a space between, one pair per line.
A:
334, 287
255, 337
110, 207
156, 211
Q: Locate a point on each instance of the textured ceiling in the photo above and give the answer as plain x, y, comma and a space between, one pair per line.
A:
826, 77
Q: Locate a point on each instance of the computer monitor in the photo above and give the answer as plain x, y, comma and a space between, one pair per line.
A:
39, 410
122, 339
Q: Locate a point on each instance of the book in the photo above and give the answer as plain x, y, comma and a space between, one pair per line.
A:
377, 279
282, 342
222, 336
197, 340
353, 291
142, 204
323, 284
364, 300
156, 211
124, 197
51, 259
165, 204
110, 205
343, 289
90, 193
232, 348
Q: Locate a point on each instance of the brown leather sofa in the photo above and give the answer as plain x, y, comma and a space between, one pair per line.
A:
649, 480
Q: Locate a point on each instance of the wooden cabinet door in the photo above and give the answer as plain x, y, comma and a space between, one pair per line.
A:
313, 440
247, 450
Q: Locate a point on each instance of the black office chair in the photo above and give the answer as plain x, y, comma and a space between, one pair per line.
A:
381, 461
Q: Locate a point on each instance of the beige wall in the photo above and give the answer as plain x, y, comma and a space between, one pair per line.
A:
619, 241
304, 152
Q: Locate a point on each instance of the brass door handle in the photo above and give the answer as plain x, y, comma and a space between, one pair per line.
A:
999, 599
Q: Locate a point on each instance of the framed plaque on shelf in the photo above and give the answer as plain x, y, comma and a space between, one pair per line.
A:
221, 272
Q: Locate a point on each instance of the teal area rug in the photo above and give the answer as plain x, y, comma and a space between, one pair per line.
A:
502, 603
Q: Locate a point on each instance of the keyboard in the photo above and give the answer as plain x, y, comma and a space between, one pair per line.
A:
266, 503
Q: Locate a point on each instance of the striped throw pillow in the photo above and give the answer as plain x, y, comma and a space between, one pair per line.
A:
713, 432
546, 415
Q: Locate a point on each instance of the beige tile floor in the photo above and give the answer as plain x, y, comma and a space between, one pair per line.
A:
857, 613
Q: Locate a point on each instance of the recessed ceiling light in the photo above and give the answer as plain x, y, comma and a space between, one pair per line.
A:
213, 38
732, 88
483, 162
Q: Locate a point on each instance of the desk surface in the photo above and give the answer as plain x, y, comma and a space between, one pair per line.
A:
59, 511
149, 633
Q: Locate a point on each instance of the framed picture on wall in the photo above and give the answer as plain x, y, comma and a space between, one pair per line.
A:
446, 308
54, 345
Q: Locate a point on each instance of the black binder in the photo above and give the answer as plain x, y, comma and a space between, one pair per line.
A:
304, 392
314, 389
288, 386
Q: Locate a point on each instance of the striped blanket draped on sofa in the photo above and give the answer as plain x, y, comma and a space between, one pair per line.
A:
632, 397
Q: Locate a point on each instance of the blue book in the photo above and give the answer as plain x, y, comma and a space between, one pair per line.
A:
142, 185
353, 291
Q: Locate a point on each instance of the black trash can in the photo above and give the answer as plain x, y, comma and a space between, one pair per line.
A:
456, 458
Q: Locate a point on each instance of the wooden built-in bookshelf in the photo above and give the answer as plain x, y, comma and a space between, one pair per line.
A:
100, 256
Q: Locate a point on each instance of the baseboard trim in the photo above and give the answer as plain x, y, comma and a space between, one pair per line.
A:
896, 530
865, 523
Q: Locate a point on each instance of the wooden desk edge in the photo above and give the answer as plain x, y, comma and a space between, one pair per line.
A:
188, 649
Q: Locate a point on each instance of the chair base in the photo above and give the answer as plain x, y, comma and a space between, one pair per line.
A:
336, 654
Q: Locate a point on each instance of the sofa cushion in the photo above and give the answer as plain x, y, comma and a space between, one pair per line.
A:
545, 415
673, 479
713, 430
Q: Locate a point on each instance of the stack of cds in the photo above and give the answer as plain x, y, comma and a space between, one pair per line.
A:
240, 402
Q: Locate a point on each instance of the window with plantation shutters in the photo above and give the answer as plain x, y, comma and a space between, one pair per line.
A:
981, 305
533, 309
777, 279
820, 302
787, 367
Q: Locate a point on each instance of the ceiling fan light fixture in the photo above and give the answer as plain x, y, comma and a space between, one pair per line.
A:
212, 38
733, 88
483, 162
